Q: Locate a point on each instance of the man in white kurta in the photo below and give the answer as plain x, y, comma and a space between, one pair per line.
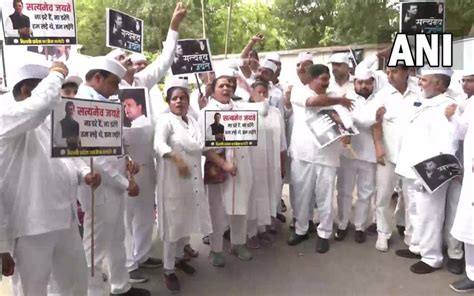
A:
428, 134
313, 169
102, 79
140, 214
341, 80
359, 168
38, 193
396, 99
462, 118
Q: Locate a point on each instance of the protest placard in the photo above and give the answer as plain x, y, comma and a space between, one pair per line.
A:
233, 128
124, 31
86, 128
327, 126
192, 56
135, 105
438, 170
422, 17
32, 22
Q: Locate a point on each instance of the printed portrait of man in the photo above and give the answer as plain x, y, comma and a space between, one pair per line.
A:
217, 129
134, 111
66, 132
115, 33
18, 24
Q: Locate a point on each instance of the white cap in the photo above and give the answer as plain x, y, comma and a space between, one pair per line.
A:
340, 58
137, 57
29, 71
73, 79
175, 81
362, 73
233, 64
304, 56
269, 65
273, 56
437, 70
225, 71
107, 64
468, 73
115, 53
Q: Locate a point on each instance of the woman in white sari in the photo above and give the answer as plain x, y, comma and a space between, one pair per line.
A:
183, 208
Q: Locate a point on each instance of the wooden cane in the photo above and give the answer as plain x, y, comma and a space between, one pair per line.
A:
233, 183
92, 220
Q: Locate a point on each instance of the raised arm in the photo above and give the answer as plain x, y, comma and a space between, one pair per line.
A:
244, 55
153, 73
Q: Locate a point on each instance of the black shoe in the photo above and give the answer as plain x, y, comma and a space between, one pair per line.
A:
292, 224
135, 292
227, 235
455, 266
296, 239
322, 245
152, 263
205, 240
421, 267
283, 207
406, 253
136, 277
340, 234
463, 286
372, 229
185, 267
172, 283
359, 236
401, 230
281, 217
311, 227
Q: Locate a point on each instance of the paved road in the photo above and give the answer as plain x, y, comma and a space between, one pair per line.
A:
347, 269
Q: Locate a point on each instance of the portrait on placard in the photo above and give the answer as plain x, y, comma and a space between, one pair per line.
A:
124, 31
28, 22
438, 170
422, 17
135, 106
192, 56
86, 128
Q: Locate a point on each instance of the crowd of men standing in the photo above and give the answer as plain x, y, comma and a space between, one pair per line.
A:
402, 118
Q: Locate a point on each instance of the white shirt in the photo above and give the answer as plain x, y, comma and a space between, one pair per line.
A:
363, 143
341, 90
429, 133
399, 107
37, 191
303, 145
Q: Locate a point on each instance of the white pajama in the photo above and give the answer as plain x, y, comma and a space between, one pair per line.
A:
139, 220
109, 236
313, 183
410, 209
220, 220
173, 251
452, 199
386, 179
430, 218
56, 254
469, 249
350, 173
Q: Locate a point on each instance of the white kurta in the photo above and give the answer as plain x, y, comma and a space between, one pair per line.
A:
463, 228
183, 208
235, 201
266, 164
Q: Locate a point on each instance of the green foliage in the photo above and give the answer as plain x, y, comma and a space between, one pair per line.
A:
286, 24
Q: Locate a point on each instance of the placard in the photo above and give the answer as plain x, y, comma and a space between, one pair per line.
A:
422, 17
438, 170
124, 31
192, 56
33, 22
327, 127
84, 128
135, 106
233, 128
